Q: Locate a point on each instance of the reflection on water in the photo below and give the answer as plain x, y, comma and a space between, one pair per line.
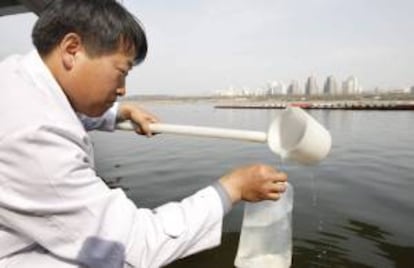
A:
327, 250
353, 210
308, 252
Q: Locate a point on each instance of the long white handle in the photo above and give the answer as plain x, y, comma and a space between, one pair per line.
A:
234, 134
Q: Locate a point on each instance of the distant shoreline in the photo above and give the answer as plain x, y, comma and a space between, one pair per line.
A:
267, 100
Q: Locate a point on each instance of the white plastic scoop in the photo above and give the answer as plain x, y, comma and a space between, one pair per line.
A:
293, 134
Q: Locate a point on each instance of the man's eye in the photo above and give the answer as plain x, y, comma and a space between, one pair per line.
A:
123, 72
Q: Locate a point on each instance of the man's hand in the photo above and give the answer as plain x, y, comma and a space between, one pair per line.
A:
254, 183
141, 118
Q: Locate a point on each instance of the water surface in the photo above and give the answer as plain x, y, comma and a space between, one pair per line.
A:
355, 209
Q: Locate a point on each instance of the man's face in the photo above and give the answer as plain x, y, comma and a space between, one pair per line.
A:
96, 82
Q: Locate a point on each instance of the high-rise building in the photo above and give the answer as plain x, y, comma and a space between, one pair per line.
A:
276, 88
330, 87
345, 87
351, 86
293, 88
311, 87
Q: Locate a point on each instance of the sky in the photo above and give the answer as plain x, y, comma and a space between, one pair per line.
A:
200, 46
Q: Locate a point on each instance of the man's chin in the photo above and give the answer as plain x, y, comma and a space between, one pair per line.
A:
97, 112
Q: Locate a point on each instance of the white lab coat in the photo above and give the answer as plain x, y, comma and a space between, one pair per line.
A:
54, 209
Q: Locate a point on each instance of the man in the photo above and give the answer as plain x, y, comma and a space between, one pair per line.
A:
54, 209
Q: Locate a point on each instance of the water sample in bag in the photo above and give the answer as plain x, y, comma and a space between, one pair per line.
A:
266, 235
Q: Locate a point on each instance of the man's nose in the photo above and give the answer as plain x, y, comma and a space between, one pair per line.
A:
120, 91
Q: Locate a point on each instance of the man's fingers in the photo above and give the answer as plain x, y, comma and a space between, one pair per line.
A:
143, 125
279, 187
144, 129
154, 119
278, 177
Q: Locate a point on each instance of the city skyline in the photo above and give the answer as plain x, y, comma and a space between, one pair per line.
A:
330, 86
197, 47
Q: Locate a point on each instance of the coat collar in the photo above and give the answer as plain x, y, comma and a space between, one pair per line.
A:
44, 80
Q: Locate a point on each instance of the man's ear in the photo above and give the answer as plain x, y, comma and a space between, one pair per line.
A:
70, 45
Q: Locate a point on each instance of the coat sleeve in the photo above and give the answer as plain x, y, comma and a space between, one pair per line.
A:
51, 194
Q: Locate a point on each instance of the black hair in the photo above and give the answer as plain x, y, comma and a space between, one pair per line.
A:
103, 25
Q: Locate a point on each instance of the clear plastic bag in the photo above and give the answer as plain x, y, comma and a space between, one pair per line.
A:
266, 235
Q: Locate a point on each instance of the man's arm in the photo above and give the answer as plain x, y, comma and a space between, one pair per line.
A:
54, 197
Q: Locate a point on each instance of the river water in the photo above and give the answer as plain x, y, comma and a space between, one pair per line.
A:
355, 209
